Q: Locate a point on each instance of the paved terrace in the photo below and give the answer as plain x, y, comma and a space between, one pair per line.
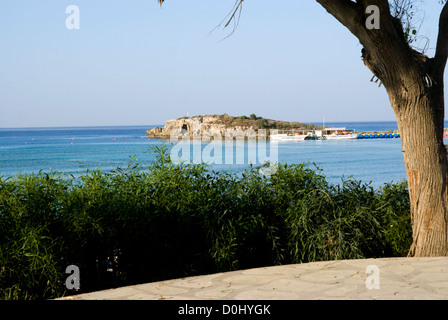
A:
389, 279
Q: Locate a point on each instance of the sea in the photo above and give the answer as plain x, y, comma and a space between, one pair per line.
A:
73, 150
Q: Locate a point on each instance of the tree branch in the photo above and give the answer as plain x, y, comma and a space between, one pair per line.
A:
352, 14
237, 6
346, 12
380, 46
441, 56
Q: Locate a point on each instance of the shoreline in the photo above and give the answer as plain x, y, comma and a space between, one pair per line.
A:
376, 134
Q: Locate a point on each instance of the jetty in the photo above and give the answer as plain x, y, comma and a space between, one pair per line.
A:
391, 134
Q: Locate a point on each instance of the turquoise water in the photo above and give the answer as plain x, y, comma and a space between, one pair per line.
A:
379, 160
73, 150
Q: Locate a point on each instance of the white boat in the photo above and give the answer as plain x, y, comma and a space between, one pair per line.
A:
325, 134
291, 135
338, 134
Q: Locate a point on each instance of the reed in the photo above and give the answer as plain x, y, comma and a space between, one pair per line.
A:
148, 223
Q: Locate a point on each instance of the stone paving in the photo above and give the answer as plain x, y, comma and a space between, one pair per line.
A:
367, 279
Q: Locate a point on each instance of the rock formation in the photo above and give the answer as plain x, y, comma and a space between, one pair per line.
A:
215, 126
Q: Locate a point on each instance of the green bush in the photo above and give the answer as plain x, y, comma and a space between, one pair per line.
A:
142, 224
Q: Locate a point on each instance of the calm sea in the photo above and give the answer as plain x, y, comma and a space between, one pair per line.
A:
73, 150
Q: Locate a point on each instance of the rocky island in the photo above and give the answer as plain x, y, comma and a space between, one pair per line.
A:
210, 125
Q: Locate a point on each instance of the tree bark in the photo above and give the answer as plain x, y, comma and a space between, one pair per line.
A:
426, 167
415, 87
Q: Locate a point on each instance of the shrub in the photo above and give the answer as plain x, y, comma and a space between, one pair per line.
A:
253, 117
140, 224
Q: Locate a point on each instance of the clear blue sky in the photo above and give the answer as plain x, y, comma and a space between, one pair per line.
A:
133, 63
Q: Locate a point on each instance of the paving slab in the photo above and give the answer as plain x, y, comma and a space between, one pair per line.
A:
364, 279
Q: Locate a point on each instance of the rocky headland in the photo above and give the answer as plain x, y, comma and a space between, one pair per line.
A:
218, 125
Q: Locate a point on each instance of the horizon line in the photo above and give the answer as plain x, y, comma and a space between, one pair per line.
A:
142, 125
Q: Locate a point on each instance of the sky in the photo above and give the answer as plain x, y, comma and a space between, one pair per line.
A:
134, 63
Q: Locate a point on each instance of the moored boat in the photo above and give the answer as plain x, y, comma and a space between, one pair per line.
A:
325, 134
339, 134
291, 135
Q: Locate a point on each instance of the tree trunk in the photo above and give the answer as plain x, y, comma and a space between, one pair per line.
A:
415, 87
417, 98
426, 166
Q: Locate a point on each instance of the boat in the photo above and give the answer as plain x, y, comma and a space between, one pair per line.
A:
291, 135
338, 134
324, 134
